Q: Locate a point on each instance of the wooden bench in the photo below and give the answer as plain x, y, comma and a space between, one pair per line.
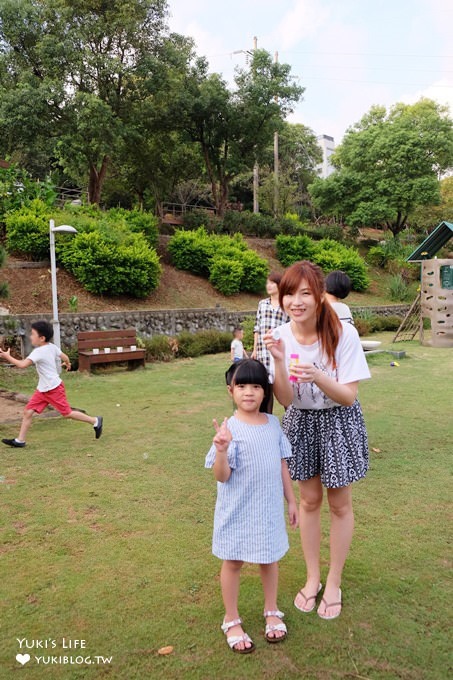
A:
89, 341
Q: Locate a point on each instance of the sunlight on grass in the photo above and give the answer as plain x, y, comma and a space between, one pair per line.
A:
109, 541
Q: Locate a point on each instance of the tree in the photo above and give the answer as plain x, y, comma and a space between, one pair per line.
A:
299, 154
387, 165
429, 216
234, 127
76, 74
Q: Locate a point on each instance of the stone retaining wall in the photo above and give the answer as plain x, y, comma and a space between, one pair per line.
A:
149, 322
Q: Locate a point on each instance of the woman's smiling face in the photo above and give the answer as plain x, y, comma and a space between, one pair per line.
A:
301, 306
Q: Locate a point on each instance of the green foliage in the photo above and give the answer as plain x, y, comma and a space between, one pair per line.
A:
226, 275
366, 322
104, 266
138, 221
250, 224
73, 354
208, 341
158, 348
387, 165
255, 271
110, 254
17, 189
28, 230
192, 251
248, 326
4, 290
228, 262
328, 254
290, 249
399, 290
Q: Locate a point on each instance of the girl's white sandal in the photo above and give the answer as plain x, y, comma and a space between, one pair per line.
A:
271, 628
234, 640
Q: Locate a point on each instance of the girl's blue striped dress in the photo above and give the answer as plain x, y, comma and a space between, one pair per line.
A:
249, 519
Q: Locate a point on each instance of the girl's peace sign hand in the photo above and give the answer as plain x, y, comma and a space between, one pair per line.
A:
223, 436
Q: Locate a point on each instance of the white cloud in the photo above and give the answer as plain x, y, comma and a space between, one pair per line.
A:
441, 91
304, 19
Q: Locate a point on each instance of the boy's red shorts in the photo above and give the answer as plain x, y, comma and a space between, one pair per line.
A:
56, 398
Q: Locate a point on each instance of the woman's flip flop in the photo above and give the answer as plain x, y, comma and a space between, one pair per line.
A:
327, 605
307, 599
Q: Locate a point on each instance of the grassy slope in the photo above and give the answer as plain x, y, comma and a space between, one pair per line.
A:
109, 541
30, 289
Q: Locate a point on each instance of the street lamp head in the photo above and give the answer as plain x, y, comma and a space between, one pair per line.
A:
65, 228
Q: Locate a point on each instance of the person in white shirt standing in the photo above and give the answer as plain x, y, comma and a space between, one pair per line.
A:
50, 391
318, 363
237, 346
338, 287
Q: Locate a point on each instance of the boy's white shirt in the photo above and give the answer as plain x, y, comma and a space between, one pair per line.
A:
47, 363
237, 348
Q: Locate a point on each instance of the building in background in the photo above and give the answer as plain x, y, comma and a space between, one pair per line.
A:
327, 145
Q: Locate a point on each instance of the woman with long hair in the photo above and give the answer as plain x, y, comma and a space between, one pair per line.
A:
318, 363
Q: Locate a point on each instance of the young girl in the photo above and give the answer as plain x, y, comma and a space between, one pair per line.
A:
248, 458
319, 362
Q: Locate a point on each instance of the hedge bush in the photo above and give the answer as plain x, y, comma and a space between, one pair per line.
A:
112, 253
104, 266
226, 260
27, 231
208, 341
327, 253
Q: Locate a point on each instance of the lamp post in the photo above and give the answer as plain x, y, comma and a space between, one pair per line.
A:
53, 273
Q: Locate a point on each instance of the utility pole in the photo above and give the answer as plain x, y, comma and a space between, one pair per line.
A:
256, 172
276, 165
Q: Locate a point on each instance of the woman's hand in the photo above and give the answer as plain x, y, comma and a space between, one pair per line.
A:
304, 373
223, 436
275, 347
293, 514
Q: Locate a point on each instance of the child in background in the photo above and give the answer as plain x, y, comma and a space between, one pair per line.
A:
338, 287
50, 388
237, 348
248, 457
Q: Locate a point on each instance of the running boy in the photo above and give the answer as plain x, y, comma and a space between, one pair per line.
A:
50, 388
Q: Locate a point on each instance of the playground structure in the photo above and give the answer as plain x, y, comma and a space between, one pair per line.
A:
435, 299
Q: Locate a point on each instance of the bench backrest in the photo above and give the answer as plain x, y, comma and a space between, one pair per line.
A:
101, 339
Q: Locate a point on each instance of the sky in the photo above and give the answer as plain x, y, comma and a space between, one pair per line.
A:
348, 54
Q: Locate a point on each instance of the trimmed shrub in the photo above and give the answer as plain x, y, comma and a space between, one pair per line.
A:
255, 271
226, 275
227, 260
27, 231
291, 249
327, 253
104, 266
192, 251
208, 341
159, 348
145, 223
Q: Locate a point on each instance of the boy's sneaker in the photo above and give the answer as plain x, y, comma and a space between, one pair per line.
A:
98, 428
14, 443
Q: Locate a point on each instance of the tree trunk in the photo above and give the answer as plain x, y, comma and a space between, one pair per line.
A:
224, 191
96, 180
399, 225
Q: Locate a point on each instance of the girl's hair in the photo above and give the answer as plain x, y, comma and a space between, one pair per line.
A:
275, 277
338, 284
250, 372
328, 325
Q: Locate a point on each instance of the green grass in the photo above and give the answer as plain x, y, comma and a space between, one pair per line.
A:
109, 541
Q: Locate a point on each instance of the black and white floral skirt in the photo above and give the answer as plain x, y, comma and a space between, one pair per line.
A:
331, 442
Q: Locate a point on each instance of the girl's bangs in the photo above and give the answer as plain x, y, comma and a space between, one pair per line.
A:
250, 372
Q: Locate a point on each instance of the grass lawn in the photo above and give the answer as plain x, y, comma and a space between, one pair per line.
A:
109, 541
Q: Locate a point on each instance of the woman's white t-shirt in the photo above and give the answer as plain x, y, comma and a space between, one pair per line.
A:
350, 360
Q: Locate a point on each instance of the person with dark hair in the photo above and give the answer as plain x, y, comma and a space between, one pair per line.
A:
50, 391
248, 457
237, 346
338, 287
268, 316
319, 362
